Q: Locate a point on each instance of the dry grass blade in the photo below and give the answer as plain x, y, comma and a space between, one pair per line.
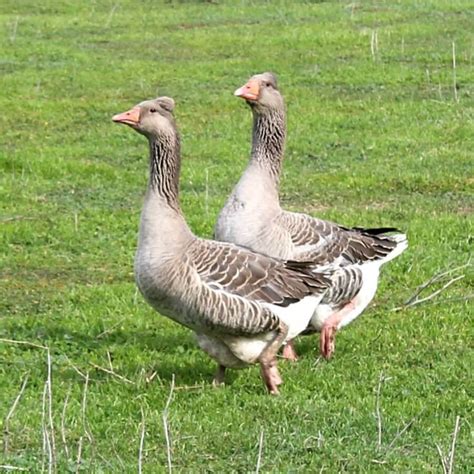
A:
453, 445
455, 85
454, 299
7, 467
16, 218
76, 369
378, 411
109, 358
165, 424
47, 450
190, 387
23, 343
438, 277
84, 423
111, 15
47, 428
400, 433
105, 461
119, 459
374, 44
14, 29
142, 442
83, 408
447, 462
52, 465
6, 422
260, 450
437, 292
109, 330
442, 459
111, 372
79, 454
63, 422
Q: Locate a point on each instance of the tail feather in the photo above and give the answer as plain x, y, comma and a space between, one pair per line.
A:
376, 230
402, 244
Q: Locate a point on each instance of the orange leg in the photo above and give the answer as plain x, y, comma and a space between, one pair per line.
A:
271, 376
327, 343
327, 340
289, 352
268, 360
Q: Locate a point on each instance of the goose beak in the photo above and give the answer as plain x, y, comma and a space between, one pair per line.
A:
250, 91
131, 117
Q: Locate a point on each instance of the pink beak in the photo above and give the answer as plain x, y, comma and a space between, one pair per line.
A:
249, 91
131, 117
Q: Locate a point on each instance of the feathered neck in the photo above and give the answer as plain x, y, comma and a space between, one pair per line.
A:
268, 141
165, 164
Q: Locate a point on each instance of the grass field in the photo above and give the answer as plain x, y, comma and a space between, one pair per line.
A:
380, 133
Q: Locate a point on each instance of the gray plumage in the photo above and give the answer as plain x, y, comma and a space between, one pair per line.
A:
252, 216
241, 305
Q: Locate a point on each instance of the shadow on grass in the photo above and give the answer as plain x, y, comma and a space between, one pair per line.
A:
131, 353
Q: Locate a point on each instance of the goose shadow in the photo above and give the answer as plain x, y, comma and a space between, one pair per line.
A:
175, 353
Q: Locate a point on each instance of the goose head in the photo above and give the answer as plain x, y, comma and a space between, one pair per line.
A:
261, 92
151, 118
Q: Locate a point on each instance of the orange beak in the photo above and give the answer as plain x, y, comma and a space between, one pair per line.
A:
250, 91
131, 117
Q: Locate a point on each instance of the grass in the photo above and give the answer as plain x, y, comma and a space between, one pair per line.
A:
376, 137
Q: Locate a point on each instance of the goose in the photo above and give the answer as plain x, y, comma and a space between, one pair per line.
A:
252, 217
241, 305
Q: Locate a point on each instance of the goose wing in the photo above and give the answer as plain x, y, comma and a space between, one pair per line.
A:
255, 277
324, 242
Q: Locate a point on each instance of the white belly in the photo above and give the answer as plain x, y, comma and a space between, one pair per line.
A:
238, 351
219, 351
233, 351
248, 349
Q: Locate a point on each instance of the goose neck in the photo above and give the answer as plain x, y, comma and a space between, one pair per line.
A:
268, 141
163, 227
165, 164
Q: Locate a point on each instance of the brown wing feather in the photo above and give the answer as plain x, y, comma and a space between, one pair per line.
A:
254, 276
324, 242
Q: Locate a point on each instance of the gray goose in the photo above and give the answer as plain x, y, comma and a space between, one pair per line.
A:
241, 305
252, 217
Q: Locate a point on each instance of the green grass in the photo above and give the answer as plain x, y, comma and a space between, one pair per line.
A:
373, 140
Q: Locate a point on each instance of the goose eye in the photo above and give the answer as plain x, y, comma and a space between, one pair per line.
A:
153, 111
268, 84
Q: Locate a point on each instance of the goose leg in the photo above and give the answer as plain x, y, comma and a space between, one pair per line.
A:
271, 376
327, 340
219, 376
289, 352
328, 331
268, 360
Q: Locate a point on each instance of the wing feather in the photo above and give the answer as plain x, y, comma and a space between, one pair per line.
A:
256, 277
324, 242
